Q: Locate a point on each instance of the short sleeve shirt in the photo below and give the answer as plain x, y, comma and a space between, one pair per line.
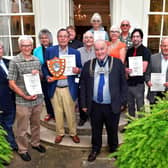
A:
17, 68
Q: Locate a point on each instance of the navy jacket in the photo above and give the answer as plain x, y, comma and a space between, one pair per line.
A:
7, 96
117, 83
52, 52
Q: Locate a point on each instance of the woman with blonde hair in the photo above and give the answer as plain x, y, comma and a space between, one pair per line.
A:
116, 48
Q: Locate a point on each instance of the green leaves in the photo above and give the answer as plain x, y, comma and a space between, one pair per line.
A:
5, 149
146, 140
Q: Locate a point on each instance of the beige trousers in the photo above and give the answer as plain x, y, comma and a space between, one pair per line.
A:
63, 103
24, 117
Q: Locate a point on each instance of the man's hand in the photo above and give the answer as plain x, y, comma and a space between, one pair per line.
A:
50, 79
166, 84
128, 70
33, 97
149, 83
76, 70
35, 71
84, 109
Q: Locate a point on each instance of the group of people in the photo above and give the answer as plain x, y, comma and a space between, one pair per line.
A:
101, 83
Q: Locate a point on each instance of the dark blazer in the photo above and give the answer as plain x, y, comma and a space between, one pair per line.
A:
7, 96
154, 67
117, 84
52, 52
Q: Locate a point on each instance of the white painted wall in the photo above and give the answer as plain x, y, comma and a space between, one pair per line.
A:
136, 11
51, 14
54, 14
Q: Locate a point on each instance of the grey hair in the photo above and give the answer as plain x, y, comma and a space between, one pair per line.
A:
46, 32
96, 16
24, 38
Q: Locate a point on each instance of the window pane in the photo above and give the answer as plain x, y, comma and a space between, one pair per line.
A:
165, 26
166, 6
4, 25
14, 6
28, 22
3, 6
26, 5
15, 46
153, 45
156, 5
6, 46
15, 25
154, 25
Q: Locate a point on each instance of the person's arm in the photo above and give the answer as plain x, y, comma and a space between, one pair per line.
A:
19, 91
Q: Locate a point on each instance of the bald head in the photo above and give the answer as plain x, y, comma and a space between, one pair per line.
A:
100, 49
164, 47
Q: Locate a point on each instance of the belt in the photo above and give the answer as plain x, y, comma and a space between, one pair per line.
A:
62, 86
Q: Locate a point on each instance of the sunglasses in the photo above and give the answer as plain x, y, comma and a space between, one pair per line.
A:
126, 25
96, 20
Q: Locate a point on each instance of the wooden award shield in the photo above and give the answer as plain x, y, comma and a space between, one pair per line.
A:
56, 67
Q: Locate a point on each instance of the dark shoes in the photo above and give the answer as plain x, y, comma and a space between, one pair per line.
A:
92, 156
25, 156
81, 122
39, 148
75, 139
58, 139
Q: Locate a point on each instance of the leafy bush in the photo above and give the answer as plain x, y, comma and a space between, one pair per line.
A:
146, 140
5, 149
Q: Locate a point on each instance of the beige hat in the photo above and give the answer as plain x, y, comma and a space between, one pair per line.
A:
114, 28
96, 16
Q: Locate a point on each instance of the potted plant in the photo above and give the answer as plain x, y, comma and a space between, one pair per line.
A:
5, 149
146, 140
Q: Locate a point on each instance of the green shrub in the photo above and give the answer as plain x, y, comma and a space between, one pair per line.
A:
146, 140
5, 149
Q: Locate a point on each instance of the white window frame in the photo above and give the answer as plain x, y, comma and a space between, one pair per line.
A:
21, 14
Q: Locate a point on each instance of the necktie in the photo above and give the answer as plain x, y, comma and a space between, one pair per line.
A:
101, 84
135, 52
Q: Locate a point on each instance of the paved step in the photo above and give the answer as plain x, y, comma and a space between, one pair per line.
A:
48, 136
84, 130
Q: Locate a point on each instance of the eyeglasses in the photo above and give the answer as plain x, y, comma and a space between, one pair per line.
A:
26, 46
88, 37
96, 21
126, 25
113, 31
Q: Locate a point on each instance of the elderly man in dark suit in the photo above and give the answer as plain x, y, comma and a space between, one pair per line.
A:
7, 101
158, 64
103, 91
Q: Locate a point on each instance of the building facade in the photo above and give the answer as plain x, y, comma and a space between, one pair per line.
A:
19, 17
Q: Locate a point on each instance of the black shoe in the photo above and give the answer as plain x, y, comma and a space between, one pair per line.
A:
25, 156
15, 149
39, 148
81, 122
92, 156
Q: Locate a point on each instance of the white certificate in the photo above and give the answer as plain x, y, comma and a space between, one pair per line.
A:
33, 84
157, 80
136, 64
69, 64
99, 35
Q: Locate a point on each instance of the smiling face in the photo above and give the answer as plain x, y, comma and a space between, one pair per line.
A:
100, 49
44, 40
63, 38
164, 47
26, 47
88, 39
136, 39
125, 26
